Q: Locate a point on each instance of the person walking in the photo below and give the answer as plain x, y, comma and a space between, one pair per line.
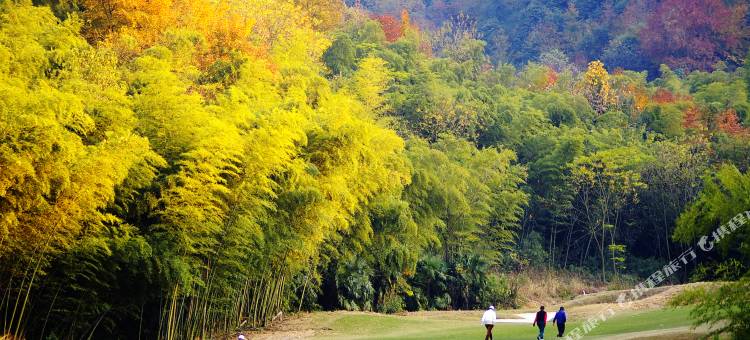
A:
560, 318
488, 320
541, 322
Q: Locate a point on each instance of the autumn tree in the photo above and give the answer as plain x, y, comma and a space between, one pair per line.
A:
692, 119
695, 34
596, 87
326, 14
729, 123
391, 26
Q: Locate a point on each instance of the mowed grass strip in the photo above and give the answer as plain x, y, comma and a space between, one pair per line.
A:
465, 325
644, 321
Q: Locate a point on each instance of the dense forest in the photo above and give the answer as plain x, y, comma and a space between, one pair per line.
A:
640, 35
181, 168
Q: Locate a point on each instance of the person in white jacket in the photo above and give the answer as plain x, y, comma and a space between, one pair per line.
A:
488, 320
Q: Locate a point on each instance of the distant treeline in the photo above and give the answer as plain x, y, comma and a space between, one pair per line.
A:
638, 35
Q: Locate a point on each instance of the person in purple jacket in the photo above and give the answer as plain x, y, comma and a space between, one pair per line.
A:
560, 318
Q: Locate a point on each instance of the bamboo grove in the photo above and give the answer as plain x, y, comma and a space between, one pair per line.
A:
183, 169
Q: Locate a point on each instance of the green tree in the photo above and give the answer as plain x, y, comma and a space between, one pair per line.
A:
723, 198
340, 57
605, 181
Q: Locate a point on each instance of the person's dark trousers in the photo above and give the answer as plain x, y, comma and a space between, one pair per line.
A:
541, 331
560, 328
489, 332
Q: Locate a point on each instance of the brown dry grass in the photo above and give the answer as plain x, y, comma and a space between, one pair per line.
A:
655, 298
546, 287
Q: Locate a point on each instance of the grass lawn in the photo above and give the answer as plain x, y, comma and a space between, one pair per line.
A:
645, 321
465, 325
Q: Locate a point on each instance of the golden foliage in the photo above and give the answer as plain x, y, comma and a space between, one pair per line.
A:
596, 86
222, 27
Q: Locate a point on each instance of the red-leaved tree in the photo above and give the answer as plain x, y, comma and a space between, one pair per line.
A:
692, 119
729, 122
392, 27
663, 96
695, 34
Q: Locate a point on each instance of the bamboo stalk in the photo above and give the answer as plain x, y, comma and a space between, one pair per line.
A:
26, 300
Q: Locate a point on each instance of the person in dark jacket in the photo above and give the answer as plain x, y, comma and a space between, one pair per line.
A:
541, 322
560, 318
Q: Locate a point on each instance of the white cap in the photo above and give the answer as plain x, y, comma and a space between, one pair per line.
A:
241, 337
492, 307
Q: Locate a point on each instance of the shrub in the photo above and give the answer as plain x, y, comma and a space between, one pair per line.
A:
391, 302
498, 291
